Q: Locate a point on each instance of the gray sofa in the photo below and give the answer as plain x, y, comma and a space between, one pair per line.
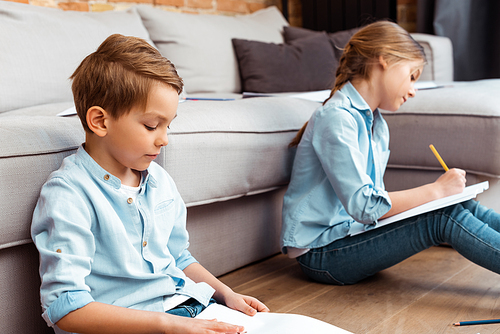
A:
229, 158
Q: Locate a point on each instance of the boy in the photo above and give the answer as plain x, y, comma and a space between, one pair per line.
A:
110, 225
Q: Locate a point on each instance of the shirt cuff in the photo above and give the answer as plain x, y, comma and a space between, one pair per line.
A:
66, 303
185, 260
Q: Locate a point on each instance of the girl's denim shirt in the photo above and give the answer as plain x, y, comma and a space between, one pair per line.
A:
337, 175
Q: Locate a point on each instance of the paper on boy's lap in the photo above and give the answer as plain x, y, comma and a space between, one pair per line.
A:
269, 323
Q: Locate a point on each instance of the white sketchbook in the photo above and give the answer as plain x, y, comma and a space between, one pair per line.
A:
270, 323
468, 193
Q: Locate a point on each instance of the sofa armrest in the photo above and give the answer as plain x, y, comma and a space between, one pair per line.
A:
439, 53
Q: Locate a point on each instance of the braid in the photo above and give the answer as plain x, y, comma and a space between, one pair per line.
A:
342, 76
295, 142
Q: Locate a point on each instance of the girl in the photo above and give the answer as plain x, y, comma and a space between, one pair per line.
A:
337, 176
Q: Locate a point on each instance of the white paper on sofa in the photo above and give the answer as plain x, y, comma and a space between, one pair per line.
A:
68, 112
316, 96
269, 323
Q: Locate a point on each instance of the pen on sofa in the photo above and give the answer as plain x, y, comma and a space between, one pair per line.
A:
477, 322
438, 157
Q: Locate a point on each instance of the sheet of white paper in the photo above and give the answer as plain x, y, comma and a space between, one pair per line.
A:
316, 96
468, 193
252, 94
270, 323
427, 85
68, 112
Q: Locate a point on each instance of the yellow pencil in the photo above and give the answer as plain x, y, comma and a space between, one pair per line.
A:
438, 157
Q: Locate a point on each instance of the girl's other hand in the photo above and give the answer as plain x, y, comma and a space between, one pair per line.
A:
452, 182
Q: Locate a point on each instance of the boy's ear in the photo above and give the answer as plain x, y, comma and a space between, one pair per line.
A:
96, 120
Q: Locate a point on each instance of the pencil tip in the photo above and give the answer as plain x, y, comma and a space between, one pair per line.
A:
456, 324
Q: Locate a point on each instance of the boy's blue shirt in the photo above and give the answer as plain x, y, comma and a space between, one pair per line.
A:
97, 245
337, 176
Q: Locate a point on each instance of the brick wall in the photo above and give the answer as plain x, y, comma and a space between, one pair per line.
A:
407, 14
295, 13
225, 7
407, 9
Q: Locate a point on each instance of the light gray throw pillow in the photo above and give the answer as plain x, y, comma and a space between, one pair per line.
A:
200, 45
43, 47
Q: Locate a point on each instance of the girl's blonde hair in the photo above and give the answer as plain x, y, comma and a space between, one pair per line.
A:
382, 38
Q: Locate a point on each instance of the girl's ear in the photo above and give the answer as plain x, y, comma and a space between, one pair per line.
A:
96, 120
382, 62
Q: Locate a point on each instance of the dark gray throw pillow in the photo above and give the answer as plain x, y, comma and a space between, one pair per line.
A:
305, 64
339, 38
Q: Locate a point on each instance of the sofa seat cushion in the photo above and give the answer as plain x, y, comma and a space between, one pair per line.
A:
43, 47
462, 121
225, 149
217, 151
33, 145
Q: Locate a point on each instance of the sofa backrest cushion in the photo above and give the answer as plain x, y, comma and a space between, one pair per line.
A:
200, 45
43, 47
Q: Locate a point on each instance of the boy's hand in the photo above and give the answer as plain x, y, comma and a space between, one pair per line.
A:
246, 304
223, 293
181, 325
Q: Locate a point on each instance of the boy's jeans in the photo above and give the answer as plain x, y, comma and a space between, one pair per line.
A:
471, 229
190, 308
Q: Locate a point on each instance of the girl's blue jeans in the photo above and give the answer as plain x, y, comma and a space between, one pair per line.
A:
470, 228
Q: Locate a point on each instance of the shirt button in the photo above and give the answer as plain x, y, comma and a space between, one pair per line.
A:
59, 250
367, 113
144, 244
130, 200
106, 177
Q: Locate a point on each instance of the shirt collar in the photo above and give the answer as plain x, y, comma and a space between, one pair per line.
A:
99, 173
357, 101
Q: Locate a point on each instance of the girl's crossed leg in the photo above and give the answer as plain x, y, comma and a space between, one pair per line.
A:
471, 229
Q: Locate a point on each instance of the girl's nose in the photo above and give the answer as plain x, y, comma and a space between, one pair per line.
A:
412, 91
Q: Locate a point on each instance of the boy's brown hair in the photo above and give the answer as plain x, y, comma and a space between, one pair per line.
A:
119, 75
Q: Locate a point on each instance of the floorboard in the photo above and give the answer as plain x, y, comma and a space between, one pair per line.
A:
426, 293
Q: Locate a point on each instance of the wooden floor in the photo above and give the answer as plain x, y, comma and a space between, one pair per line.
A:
427, 293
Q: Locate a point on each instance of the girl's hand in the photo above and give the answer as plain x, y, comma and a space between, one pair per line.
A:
246, 304
452, 182
182, 325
